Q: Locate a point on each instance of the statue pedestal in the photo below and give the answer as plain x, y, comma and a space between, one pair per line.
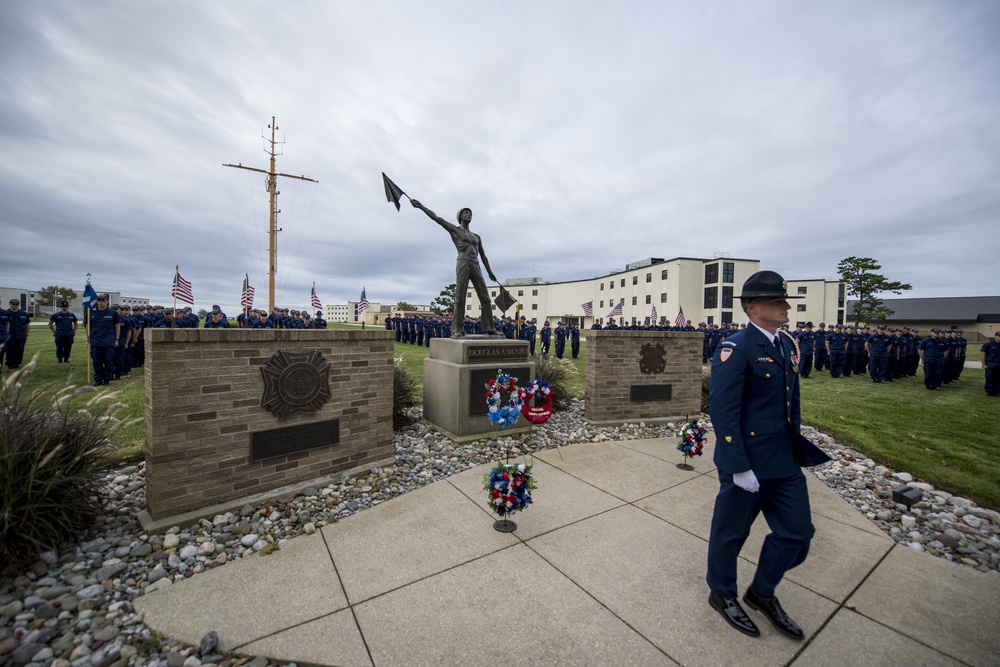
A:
455, 377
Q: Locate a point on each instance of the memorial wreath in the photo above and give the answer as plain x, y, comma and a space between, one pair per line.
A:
693, 435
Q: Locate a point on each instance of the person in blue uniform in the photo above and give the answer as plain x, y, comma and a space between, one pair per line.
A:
822, 356
320, 321
989, 356
574, 340
546, 337
63, 326
759, 454
105, 329
560, 334
216, 320
879, 347
836, 349
19, 324
807, 350
933, 355
530, 332
4, 334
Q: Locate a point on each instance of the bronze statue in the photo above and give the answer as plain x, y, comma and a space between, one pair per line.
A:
470, 249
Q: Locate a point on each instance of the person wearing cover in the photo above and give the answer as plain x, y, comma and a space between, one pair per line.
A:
759, 452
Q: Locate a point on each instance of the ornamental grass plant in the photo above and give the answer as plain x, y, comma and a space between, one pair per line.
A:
557, 372
53, 445
404, 394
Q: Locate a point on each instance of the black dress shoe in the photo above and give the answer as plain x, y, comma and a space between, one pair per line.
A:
733, 613
772, 609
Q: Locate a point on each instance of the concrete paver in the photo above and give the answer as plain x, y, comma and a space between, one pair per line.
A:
607, 567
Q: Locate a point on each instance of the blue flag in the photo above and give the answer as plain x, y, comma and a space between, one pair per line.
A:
89, 296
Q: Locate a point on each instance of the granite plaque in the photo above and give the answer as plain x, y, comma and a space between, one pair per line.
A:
477, 386
649, 392
291, 439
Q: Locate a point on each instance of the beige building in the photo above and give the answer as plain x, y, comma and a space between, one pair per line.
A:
707, 290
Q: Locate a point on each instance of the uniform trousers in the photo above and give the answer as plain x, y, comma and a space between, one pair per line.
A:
64, 344
575, 347
15, 351
805, 364
993, 380
104, 362
560, 348
933, 371
785, 505
837, 363
877, 366
821, 358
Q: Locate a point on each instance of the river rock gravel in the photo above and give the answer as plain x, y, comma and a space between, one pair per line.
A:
74, 608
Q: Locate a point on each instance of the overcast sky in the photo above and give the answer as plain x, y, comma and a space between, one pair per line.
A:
584, 136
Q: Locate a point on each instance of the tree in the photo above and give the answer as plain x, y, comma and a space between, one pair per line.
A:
444, 303
53, 294
862, 282
403, 305
202, 313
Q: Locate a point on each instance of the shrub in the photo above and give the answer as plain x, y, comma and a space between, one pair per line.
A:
50, 455
556, 372
404, 394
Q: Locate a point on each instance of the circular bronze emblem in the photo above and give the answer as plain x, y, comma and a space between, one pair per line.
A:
295, 382
651, 360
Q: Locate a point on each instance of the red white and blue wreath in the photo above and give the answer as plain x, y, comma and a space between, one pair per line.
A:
693, 435
503, 415
509, 488
539, 414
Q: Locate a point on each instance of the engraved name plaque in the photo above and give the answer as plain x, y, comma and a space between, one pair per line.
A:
649, 392
291, 439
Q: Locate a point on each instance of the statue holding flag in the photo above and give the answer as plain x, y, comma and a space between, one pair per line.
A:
470, 249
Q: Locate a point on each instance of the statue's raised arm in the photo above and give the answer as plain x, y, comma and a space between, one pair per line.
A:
470, 249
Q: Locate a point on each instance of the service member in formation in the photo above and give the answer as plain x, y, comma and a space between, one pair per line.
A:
759, 454
933, 355
546, 337
105, 326
216, 319
19, 324
879, 346
4, 333
836, 349
321, 323
560, 334
989, 355
63, 326
807, 350
574, 340
822, 356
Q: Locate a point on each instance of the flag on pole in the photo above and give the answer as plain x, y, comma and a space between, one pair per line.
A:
363, 304
181, 289
316, 303
653, 318
246, 299
617, 310
392, 191
89, 297
680, 320
588, 308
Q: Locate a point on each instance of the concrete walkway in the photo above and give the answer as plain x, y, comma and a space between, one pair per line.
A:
606, 568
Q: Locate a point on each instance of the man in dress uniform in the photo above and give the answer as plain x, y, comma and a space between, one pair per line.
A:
989, 356
574, 340
807, 350
105, 327
63, 326
18, 325
759, 451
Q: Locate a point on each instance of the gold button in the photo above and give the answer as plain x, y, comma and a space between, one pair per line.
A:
788, 404
752, 433
787, 388
767, 375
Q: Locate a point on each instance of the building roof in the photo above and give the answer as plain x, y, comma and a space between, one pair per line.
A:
941, 309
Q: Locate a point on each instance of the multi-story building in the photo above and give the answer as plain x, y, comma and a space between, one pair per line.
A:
705, 290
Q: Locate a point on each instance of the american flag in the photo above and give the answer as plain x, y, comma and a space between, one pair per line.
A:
246, 300
316, 303
680, 320
653, 318
617, 310
181, 289
588, 308
363, 304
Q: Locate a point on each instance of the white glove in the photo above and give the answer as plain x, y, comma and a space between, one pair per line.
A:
747, 481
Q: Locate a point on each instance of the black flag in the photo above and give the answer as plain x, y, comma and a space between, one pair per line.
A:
504, 300
392, 191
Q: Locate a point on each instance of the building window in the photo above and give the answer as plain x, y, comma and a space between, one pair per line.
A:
494, 307
534, 306
840, 297
711, 297
602, 304
711, 273
635, 280
663, 297
710, 321
602, 287
802, 290
623, 282
663, 274
634, 302
840, 315
649, 299
649, 277
520, 292
493, 293
534, 292
800, 308
468, 295
728, 270
727, 317
469, 307
727, 296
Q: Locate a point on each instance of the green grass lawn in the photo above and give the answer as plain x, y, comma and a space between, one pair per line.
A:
948, 438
